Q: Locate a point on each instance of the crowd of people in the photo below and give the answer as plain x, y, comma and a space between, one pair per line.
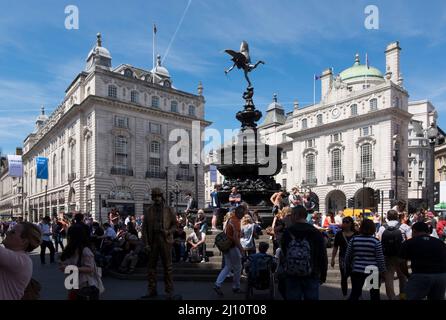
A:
299, 236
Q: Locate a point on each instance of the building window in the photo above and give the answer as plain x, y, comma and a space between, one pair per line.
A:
192, 111
128, 73
89, 117
410, 174
183, 170
310, 166
373, 104
410, 184
155, 147
319, 119
336, 164
112, 91
310, 143
121, 154
420, 163
284, 169
304, 124
155, 102
155, 128
284, 187
396, 102
154, 167
62, 166
54, 171
420, 174
336, 137
354, 110
73, 159
174, 106
134, 96
366, 160
88, 151
366, 131
121, 122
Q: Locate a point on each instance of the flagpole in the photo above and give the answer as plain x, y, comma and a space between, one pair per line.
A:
314, 89
153, 49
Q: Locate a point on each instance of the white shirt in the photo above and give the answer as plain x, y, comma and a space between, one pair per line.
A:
16, 269
405, 229
194, 238
45, 228
110, 233
127, 220
338, 219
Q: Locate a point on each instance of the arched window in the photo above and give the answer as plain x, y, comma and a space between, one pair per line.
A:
73, 159
319, 119
112, 91
373, 104
62, 166
134, 96
310, 168
54, 171
366, 160
304, 124
121, 153
88, 151
192, 111
174, 106
336, 165
396, 102
155, 102
354, 110
128, 73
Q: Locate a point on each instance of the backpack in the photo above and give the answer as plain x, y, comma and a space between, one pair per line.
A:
260, 270
391, 240
298, 258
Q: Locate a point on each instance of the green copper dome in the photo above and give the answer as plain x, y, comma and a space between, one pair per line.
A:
359, 70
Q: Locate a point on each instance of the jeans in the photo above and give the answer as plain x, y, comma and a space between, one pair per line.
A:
430, 285
58, 240
43, 246
302, 288
358, 280
233, 261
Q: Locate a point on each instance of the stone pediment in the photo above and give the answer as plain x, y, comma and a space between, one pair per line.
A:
121, 132
336, 145
363, 140
309, 150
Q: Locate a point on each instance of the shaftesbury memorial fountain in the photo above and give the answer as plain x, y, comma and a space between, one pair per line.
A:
247, 163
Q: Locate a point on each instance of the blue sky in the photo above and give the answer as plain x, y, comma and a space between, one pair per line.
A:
39, 57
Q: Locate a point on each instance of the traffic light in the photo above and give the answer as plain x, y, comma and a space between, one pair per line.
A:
377, 196
436, 192
171, 197
351, 202
392, 194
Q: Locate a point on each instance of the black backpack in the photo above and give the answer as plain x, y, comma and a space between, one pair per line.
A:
391, 240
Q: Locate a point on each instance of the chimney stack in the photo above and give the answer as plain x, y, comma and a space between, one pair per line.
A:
326, 82
393, 60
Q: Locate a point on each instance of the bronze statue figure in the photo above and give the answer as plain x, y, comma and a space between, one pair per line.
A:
243, 61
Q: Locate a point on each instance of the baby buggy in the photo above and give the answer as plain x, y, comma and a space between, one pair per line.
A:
260, 271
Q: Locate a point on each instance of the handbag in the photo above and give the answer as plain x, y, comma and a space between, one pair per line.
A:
222, 242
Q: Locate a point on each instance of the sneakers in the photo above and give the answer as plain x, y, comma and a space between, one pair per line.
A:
203, 261
217, 289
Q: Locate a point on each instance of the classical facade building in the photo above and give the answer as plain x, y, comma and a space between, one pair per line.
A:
420, 173
211, 176
351, 143
10, 191
108, 143
440, 157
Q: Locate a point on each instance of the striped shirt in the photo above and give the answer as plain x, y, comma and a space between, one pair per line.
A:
363, 251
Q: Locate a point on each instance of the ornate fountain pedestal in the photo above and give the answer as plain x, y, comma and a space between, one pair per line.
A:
248, 164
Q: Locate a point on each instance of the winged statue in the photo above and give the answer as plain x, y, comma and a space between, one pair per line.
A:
242, 60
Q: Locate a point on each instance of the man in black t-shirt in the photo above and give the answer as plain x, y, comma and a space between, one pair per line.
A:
428, 264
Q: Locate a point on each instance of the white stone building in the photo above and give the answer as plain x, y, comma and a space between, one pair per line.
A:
109, 141
211, 176
10, 192
352, 142
421, 163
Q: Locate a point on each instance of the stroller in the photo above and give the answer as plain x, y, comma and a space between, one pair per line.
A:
260, 270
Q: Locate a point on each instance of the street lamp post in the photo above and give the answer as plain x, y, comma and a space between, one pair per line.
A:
167, 184
432, 133
177, 192
364, 181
